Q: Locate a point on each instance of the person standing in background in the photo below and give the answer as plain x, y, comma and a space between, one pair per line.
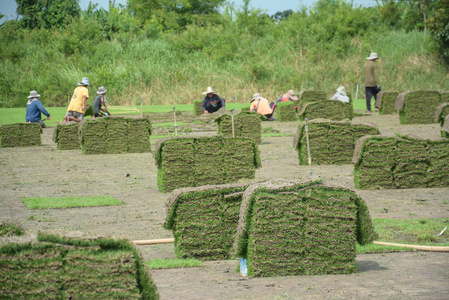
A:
372, 87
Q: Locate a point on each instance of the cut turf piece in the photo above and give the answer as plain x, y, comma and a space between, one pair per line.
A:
301, 228
197, 108
286, 111
115, 135
417, 107
246, 125
306, 96
445, 128
61, 268
386, 101
441, 113
330, 109
20, 135
204, 220
330, 142
188, 162
400, 162
66, 136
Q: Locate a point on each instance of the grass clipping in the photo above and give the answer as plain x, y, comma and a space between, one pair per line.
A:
401, 162
204, 220
301, 228
417, 107
190, 162
60, 268
115, 135
330, 142
67, 202
386, 101
246, 125
20, 135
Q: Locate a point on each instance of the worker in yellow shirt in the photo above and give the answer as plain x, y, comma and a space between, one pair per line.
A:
77, 105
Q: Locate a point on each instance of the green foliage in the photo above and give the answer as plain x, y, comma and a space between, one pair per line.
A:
47, 13
439, 26
9, 229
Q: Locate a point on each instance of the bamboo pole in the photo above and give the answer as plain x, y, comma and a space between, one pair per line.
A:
416, 247
154, 242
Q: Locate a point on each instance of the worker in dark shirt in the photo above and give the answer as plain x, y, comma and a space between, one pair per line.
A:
34, 110
211, 102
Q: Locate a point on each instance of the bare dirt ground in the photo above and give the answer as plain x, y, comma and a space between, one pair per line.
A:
47, 172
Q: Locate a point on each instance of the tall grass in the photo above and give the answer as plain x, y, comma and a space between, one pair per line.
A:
306, 51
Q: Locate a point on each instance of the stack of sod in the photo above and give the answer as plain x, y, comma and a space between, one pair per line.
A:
204, 220
441, 113
330, 142
374, 159
115, 135
66, 136
445, 128
417, 107
208, 161
189, 162
444, 96
197, 107
405, 162
175, 158
285, 111
410, 170
59, 268
386, 101
330, 109
301, 228
20, 135
246, 125
139, 131
309, 96
438, 170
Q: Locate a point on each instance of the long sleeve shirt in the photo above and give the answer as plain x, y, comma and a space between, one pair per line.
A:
215, 98
371, 74
34, 110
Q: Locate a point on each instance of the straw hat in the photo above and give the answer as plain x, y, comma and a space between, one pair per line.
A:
33, 94
209, 90
256, 96
101, 90
85, 81
373, 55
291, 95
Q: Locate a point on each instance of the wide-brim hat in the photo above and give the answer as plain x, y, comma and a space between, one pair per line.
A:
291, 95
373, 55
85, 81
208, 90
256, 96
33, 94
101, 90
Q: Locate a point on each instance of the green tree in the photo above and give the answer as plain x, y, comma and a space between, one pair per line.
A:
439, 26
173, 15
47, 13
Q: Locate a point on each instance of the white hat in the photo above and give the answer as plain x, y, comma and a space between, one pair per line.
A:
101, 90
209, 90
33, 94
85, 81
256, 96
373, 55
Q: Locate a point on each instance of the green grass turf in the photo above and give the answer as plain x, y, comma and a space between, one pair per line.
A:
42, 203
17, 115
173, 263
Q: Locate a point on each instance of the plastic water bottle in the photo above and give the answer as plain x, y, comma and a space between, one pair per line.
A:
243, 267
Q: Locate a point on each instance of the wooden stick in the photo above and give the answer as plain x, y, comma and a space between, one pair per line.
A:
416, 247
154, 242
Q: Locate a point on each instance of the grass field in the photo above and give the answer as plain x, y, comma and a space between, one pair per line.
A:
17, 115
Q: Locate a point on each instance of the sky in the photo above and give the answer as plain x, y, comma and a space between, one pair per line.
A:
8, 7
